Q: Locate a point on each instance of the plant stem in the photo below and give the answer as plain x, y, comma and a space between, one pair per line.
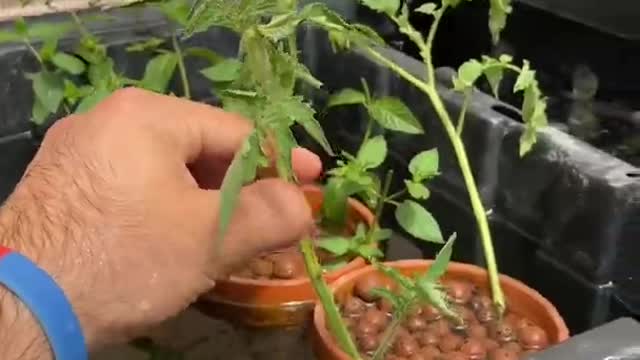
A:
463, 112
334, 320
458, 146
181, 68
390, 333
428, 59
83, 30
34, 52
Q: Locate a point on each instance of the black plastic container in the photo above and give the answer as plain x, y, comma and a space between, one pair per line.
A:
527, 222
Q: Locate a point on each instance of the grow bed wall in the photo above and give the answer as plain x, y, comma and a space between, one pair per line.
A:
509, 186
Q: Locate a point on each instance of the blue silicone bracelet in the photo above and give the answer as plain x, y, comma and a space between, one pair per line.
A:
47, 302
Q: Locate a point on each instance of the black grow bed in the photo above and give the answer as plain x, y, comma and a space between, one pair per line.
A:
563, 215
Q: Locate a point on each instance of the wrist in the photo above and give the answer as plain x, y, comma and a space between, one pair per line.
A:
21, 336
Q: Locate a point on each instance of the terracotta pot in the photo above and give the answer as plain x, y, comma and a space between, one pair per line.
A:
521, 300
268, 303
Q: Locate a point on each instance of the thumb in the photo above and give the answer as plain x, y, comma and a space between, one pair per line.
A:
269, 214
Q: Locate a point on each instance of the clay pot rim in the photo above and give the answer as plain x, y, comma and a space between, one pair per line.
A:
355, 263
320, 325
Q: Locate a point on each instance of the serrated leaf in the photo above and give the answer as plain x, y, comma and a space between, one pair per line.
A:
68, 63
39, 113
224, 71
424, 165
49, 90
149, 44
372, 153
439, 266
234, 179
469, 72
526, 78
303, 73
417, 190
336, 245
90, 101
313, 128
393, 114
418, 222
280, 26
426, 8
498, 13
347, 97
159, 71
389, 7
494, 77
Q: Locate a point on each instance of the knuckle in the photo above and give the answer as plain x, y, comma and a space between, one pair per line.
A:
122, 102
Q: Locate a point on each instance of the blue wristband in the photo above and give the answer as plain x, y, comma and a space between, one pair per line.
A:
47, 302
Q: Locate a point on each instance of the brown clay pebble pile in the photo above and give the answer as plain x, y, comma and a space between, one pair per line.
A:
427, 335
283, 264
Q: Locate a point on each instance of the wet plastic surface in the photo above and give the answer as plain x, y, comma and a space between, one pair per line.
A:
566, 199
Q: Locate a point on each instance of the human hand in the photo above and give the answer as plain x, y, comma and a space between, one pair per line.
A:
118, 206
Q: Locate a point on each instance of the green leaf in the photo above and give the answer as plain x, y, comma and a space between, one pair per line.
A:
439, 266
498, 13
9, 37
381, 235
92, 51
426, 8
49, 30
336, 245
424, 165
369, 252
68, 63
21, 28
313, 128
176, 10
526, 78
149, 44
39, 113
334, 204
389, 7
505, 58
49, 90
494, 77
404, 282
224, 71
469, 72
418, 222
393, 114
303, 73
417, 190
372, 153
90, 101
101, 75
347, 97
385, 294
234, 179
535, 117
334, 265
203, 53
280, 26
159, 72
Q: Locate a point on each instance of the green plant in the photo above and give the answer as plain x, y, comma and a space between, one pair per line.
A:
533, 108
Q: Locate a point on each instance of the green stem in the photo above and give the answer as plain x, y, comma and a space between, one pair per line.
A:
390, 333
458, 146
181, 68
34, 52
334, 320
463, 111
83, 30
430, 36
380, 206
